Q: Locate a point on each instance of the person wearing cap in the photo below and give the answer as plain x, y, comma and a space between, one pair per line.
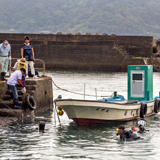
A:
5, 55
21, 63
126, 135
14, 79
27, 52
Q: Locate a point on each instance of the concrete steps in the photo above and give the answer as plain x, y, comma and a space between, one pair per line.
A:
10, 112
8, 104
30, 88
20, 93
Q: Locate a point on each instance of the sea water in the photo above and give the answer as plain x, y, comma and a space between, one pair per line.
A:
71, 142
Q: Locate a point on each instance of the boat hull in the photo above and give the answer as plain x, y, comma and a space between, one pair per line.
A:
85, 112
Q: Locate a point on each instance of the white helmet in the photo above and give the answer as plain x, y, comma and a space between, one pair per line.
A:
142, 123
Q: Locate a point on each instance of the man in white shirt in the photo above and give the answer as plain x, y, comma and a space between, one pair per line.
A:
12, 81
5, 51
21, 63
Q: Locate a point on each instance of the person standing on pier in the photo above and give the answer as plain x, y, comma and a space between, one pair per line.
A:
5, 55
27, 52
14, 79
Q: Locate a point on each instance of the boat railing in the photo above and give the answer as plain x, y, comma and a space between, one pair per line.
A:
40, 60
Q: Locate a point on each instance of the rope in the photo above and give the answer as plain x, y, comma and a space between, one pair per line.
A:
75, 92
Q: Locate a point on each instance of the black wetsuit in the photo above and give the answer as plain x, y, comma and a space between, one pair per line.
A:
144, 131
128, 136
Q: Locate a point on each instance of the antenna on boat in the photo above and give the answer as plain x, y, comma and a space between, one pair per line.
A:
96, 92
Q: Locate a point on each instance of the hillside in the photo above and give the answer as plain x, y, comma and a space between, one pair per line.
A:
121, 17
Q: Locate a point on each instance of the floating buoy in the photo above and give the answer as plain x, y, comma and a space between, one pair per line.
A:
60, 112
59, 108
143, 110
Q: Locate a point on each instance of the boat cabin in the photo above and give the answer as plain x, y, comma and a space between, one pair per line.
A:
140, 82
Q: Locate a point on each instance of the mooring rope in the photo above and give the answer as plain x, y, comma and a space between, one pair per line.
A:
75, 92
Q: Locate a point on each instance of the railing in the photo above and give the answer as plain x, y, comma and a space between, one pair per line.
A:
10, 68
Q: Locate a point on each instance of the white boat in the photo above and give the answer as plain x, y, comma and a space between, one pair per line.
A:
116, 108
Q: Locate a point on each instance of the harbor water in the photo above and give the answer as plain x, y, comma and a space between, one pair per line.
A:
22, 141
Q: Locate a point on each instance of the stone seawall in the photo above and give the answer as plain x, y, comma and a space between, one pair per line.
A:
84, 52
40, 89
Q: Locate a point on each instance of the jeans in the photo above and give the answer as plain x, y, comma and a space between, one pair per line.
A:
14, 92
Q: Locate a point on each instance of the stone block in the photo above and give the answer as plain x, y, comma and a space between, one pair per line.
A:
78, 33
105, 34
88, 33
59, 33
96, 34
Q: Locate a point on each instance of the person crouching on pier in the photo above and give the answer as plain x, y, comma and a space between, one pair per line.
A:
21, 63
27, 52
12, 81
5, 55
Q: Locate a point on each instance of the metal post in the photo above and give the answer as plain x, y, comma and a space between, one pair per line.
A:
96, 92
148, 95
9, 67
84, 91
43, 68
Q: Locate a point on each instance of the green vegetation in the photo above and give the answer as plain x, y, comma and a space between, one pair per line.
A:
121, 17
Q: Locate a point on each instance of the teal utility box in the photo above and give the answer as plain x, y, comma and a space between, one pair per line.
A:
140, 82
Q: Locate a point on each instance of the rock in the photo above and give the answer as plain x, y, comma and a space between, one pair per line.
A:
69, 33
154, 44
88, 33
105, 34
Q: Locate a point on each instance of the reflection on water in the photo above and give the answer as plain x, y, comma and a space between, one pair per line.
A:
68, 141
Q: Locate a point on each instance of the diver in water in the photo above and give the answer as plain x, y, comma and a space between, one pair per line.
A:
126, 135
41, 127
141, 126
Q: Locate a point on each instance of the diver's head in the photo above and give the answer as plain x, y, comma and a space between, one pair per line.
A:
141, 125
120, 129
41, 126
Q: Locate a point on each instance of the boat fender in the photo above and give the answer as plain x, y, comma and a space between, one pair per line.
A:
30, 102
143, 110
59, 108
156, 106
24, 97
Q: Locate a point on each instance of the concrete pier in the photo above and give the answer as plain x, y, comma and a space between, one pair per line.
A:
40, 89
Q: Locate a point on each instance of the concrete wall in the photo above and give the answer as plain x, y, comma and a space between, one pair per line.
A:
83, 52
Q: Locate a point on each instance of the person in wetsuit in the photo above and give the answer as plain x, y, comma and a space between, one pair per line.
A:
126, 135
141, 126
